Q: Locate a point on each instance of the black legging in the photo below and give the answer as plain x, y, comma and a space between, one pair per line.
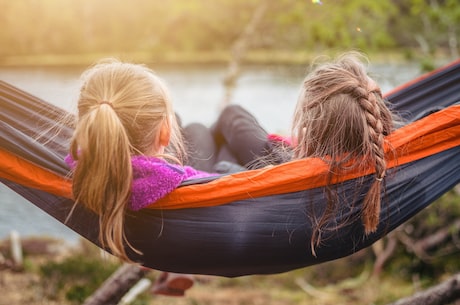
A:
236, 137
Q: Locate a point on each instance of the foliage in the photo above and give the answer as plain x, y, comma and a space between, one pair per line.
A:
440, 258
334, 24
77, 276
158, 28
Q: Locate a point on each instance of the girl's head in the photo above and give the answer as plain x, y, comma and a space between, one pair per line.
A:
341, 117
124, 109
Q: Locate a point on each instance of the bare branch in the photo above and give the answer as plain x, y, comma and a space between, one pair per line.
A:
116, 286
420, 247
239, 49
384, 253
442, 294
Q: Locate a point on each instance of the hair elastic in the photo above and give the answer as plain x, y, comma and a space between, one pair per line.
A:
107, 103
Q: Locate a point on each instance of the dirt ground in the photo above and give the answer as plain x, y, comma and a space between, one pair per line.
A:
20, 288
25, 286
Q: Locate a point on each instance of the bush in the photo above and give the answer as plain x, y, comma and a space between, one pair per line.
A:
77, 276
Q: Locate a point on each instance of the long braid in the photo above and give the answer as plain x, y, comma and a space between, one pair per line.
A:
342, 118
376, 154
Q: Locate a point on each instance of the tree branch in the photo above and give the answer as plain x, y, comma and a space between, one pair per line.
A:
442, 294
239, 49
420, 247
117, 285
383, 252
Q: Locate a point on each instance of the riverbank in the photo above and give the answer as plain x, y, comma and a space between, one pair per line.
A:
55, 273
253, 57
69, 276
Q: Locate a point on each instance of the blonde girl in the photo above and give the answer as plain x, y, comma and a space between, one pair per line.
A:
127, 149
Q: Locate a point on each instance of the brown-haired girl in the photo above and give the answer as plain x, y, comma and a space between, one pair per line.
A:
340, 117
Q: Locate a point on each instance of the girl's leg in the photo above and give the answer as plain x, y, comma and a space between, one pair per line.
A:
225, 154
201, 148
242, 134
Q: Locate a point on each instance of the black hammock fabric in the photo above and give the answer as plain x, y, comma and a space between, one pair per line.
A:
264, 235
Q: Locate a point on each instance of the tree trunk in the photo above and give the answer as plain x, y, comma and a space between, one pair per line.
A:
383, 251
442, 294
453, 43
116, 286
239, 49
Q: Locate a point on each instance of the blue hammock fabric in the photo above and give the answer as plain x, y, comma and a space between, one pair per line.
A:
264, 235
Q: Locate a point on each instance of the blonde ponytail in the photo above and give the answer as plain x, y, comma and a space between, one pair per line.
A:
102, 178
121, 110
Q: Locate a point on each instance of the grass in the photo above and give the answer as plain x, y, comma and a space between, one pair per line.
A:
346, 281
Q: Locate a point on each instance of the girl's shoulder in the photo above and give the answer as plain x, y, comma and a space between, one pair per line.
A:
147, 165
192, 173
153, 178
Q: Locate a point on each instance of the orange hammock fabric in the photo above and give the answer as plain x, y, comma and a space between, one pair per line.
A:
420, 139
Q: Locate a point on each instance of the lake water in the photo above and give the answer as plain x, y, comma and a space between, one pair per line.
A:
268, 92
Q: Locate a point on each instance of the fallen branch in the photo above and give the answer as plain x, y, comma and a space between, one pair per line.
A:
117, 285
137, 289
442, 294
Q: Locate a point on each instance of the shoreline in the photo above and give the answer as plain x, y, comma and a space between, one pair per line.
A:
253, 57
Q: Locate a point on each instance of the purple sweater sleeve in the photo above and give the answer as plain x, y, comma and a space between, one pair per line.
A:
191, 173
153, 178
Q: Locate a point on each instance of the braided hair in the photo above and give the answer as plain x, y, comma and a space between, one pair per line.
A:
342, 118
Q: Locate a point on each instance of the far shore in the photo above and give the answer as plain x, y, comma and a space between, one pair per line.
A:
254, 57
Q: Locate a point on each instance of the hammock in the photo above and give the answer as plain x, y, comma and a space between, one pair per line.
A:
254, 222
